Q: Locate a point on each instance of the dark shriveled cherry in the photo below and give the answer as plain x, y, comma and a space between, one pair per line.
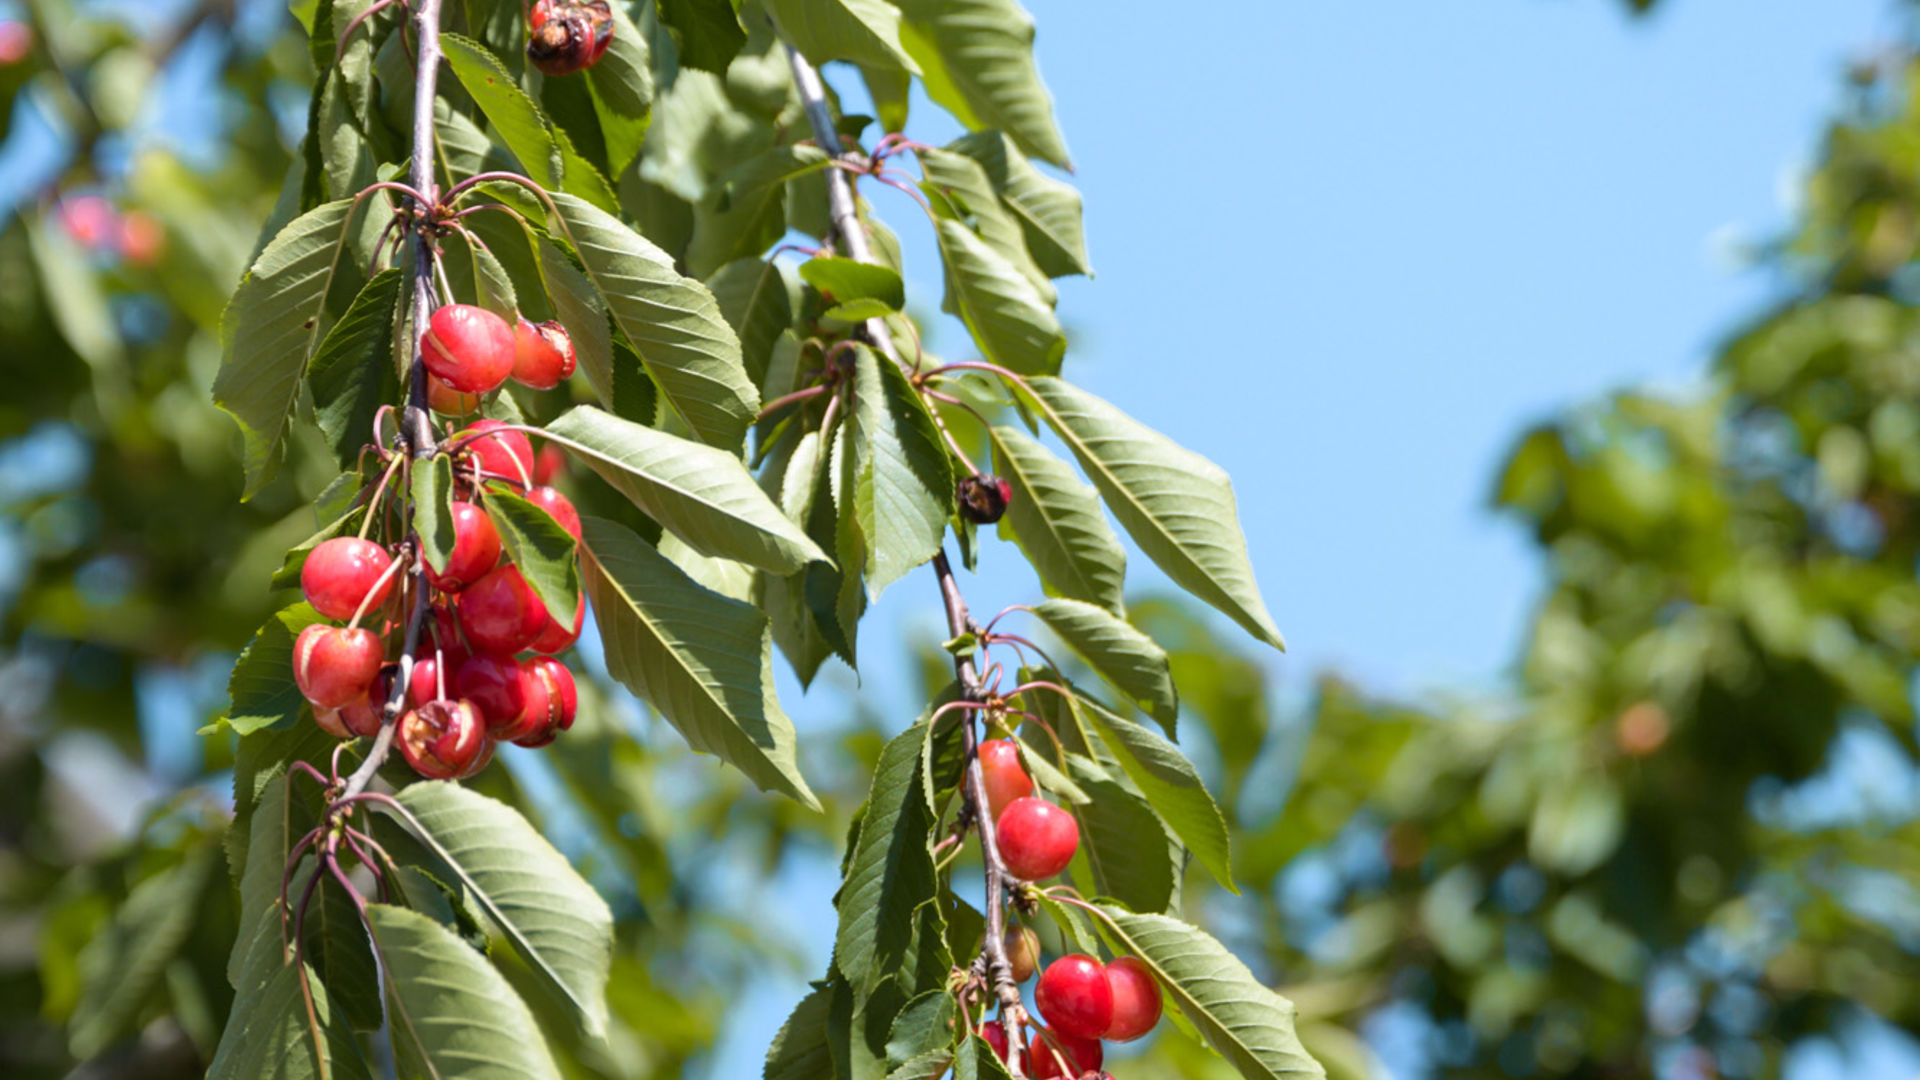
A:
983, 498
565, 36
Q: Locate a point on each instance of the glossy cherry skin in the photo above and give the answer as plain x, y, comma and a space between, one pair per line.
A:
1044, 1062
543, 354
332, 722
361, 716
476, 548
557, 637
996, 1037
500, 613
548, 464
447, 401
559, 506
1075, 998
1022, 946
342, 572
501, 688
442, 739
1006, 780
561, 698
469, 348
444, 635
1036, 838
334, 665
1136, 999
502, 455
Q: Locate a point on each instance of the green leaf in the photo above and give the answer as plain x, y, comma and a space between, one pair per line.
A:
541, 548
546, 910
758, 301
74, 299
1172, 787
889, 869
707, 31
744, 212
1122, 841
622, 85
352, 375
902, 477
492, 286
701, 659
433, 510
584, 314
543, 150
889, 88
924, 1026
1246, 1023
703, 495
976, 57
269, 329
1057, 521
261, 689
453, 1014
1048, 210
847, 280
866, 32
126, 963
800, 1050
1177, 505
957, 187
1076, 928
1009, 319
673, 321
1121, 654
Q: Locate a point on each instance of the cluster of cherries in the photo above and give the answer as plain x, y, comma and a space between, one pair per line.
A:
1082, 1000
486, 670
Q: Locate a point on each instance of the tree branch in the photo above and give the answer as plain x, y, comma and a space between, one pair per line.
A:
845, 216
415, 437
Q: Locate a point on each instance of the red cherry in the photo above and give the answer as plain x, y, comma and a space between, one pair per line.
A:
503, 455
476, 547
498, 686
1022, 947
141, 238
447, 401
361, 716
444, 634
562, 702
556, 504
1006, 780
481, 760
542, 354
501, 613
1037, 839
1074, 996
331, 722
1136, 999
334, 665
341, 573
423, 686
442, 739
468, 348
90, 219
1045, 1062
557, 638
548, 464
996, 1037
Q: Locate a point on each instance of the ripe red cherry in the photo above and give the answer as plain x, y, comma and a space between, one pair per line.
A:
542, 354
557, 504
1022, 946
481, 760
423, 686
565, 36
557, 637
1074, 996
996, 1037
334, 665
444, 634
468, 348
476, 547
1037, 839
548, 464
562, 700
447, 401
361, 716
442, 739
1136, 999
331, 722
500, 613
1006, 780
500, 687
1046, 1063
502, 455
342, 572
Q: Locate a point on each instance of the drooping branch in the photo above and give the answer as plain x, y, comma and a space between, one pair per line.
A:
852, 239
415, 437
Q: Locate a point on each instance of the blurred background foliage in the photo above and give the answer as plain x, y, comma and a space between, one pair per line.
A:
1681, 845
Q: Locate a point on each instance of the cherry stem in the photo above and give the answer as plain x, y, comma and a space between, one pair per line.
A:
393, 565
305, 769
379, 491
788, 399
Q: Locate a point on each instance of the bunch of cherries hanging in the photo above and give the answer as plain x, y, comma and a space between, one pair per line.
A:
1082, 1000
485, 667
